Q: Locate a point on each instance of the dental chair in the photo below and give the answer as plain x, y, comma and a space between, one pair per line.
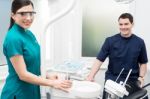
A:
121, 90
139, 94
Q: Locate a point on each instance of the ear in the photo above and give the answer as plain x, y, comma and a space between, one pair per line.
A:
132, 24
13, 16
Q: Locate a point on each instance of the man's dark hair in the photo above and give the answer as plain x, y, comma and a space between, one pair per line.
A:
126, 15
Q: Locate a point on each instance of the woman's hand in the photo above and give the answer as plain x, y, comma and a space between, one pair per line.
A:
62, 84
52, 76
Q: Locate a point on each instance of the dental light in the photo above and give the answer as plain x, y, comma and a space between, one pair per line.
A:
117, 89
124, 1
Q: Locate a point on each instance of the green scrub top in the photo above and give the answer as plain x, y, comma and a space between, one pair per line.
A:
19, 41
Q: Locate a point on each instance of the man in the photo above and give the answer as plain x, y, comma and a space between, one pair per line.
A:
125, 51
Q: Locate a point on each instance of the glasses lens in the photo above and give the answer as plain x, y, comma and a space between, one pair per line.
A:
26, 13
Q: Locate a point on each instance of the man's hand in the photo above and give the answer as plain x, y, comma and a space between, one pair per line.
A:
141, 79
90, 78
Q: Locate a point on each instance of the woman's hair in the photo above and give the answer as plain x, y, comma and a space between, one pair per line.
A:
16, 5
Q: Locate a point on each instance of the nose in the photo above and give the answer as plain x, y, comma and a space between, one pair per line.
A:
123, 26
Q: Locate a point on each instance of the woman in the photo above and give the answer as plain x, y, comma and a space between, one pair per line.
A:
23, 57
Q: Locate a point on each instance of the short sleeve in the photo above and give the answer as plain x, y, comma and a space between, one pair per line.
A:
13, 47
143, 54
104, 51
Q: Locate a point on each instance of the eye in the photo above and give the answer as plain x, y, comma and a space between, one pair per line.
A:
120, 24
31, 13
23, 13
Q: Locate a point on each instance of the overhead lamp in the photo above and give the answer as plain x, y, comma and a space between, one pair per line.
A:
124, 1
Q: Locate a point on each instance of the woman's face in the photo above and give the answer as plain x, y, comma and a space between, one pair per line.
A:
24, 16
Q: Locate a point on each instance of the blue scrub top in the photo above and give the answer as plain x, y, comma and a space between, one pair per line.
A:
19, 41
124, 53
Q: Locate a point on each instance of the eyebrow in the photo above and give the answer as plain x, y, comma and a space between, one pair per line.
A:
123, 23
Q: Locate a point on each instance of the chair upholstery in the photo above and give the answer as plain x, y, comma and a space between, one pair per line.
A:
137, 95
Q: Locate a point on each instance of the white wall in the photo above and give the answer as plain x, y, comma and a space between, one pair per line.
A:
141, 28
67, 32
63, 38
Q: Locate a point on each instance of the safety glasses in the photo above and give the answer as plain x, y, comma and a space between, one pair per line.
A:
24, 14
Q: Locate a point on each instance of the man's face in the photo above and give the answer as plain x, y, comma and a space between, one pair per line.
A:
125, 27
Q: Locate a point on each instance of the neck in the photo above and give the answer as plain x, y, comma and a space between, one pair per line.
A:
126, 35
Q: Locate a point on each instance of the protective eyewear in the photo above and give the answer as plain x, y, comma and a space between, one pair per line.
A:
23, 14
